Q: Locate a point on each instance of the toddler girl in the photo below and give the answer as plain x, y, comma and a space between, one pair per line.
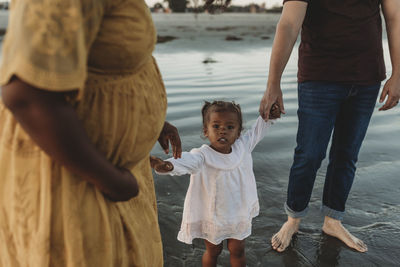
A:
221, 200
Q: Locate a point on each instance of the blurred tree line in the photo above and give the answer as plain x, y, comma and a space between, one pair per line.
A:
177, 5
180, 6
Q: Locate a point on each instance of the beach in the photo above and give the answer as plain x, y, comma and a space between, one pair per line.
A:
225, 56
200, 64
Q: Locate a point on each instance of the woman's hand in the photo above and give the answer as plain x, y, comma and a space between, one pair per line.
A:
160, 165
124, 186
169, 134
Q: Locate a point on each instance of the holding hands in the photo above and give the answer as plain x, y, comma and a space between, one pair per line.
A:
126, 187
275, 112
271, 105
169, 134
160, 165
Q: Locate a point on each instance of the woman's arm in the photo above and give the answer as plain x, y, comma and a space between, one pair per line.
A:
287, 30
54, 125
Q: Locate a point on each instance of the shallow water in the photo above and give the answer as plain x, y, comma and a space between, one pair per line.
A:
373, 208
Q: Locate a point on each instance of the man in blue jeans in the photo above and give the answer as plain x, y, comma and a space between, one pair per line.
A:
340, 71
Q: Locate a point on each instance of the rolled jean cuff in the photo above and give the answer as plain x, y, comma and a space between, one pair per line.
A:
334, 214
295, 214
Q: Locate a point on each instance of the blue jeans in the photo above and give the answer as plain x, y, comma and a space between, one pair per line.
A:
325, 107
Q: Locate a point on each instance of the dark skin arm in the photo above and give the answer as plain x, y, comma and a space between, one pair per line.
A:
169, 134
54, 125
160, 165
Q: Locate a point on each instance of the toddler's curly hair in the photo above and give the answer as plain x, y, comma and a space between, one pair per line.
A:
221, 106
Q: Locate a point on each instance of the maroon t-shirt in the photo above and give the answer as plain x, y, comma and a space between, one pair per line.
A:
341, 41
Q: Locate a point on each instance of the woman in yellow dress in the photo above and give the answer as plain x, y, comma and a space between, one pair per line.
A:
82, 105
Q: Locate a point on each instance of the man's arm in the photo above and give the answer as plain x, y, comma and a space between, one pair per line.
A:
287, 30
391, 90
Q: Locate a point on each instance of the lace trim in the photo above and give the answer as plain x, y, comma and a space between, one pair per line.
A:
217, 233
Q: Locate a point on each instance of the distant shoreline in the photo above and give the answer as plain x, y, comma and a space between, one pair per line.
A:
164, 22
206, 32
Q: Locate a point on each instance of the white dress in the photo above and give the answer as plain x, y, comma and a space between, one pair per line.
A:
221, 200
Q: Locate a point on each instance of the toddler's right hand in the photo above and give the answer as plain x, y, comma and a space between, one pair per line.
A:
160, 165
275, 112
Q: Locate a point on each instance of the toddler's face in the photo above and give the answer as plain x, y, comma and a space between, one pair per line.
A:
222, 131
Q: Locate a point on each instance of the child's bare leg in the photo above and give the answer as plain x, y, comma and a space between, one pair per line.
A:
281, 240
335, 228
211, 254
236, 250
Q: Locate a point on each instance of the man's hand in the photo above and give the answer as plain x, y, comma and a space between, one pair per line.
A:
169, 134
160, 165
391, 90
271, 101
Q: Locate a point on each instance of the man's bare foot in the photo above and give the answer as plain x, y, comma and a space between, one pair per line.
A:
281, 240
335, 228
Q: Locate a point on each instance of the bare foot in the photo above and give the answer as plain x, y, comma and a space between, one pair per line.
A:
335, 228
281, 240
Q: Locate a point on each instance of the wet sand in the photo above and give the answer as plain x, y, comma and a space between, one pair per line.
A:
201, 65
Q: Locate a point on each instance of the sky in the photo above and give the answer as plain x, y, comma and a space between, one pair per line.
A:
268, 3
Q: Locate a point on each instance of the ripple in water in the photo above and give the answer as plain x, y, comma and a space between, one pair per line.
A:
372, 208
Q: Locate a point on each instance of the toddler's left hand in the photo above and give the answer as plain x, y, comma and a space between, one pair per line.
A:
160, 165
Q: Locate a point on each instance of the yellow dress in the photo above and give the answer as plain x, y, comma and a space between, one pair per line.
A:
48, 215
